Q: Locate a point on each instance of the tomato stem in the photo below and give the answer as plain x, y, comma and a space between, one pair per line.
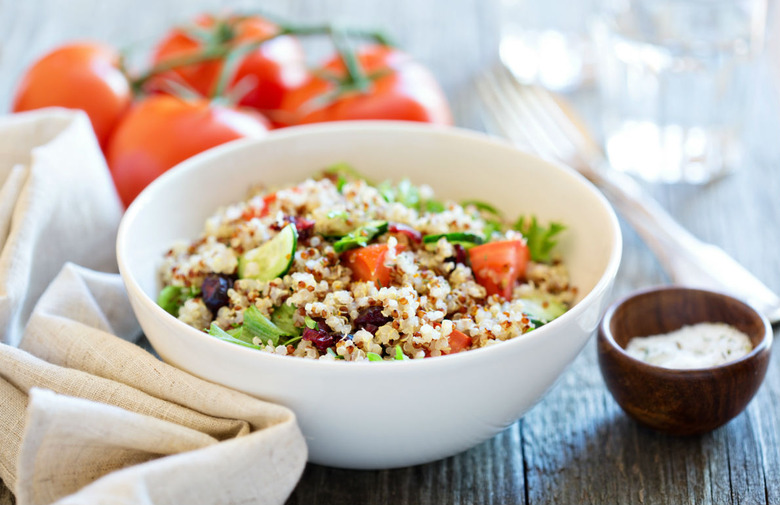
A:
208, 54
356, 77
223, 48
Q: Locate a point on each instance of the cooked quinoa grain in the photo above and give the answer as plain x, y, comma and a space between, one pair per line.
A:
335, 268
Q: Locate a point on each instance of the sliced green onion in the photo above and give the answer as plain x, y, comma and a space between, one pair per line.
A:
463, 238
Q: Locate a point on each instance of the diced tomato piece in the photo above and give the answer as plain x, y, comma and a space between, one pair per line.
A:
498, 265
252, 212
458, 342
368, 263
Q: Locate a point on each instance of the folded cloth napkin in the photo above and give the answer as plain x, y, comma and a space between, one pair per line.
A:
88, 416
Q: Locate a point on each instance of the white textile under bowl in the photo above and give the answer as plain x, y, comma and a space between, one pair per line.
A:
380, 414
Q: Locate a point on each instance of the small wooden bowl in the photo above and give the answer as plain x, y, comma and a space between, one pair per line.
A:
680, 402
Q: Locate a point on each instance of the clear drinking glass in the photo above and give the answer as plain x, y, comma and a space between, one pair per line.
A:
675, 79
547, 41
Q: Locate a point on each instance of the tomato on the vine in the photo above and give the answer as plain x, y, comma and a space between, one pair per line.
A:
263, 76
397, 87
162, 130
84, 76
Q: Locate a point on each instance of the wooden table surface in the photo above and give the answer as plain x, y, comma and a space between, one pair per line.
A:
576, 446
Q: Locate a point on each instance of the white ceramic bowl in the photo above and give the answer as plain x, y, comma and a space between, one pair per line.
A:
389, 414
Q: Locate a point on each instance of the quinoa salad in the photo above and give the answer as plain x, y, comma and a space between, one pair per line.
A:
338, 267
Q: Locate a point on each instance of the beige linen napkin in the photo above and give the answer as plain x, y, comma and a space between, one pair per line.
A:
86, 416
57, 203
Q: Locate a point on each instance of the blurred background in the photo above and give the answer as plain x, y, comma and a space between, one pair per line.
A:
550, 42
29, 28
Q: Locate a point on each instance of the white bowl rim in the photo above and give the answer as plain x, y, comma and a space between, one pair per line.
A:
376, 125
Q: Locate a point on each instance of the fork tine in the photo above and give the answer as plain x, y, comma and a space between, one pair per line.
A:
531, 100
511, 116
568, 122
548, 126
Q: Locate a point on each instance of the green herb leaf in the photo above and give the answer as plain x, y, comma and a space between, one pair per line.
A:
387, 191
331, 352
372, 356
399, 353
361, 236
340, 214
310, 323
434, 206
216, 331
539, 238
257, 325
341, 173
292, 340
238, 332
407, 193
482, 207
171, 298
282, 317
491, 227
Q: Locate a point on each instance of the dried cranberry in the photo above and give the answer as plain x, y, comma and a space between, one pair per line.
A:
371, 319
214, 291
460, 254
303, 226
404, 229
320, 338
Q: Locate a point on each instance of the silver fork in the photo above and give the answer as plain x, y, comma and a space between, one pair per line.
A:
543, 123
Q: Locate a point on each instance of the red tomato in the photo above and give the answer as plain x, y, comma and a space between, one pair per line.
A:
252, 212
161, 131
82, 76
268, 72
498, 265
368, 263
400, 88
458, 342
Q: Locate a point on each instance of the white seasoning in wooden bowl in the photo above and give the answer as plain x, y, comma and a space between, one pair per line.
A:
700, 345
